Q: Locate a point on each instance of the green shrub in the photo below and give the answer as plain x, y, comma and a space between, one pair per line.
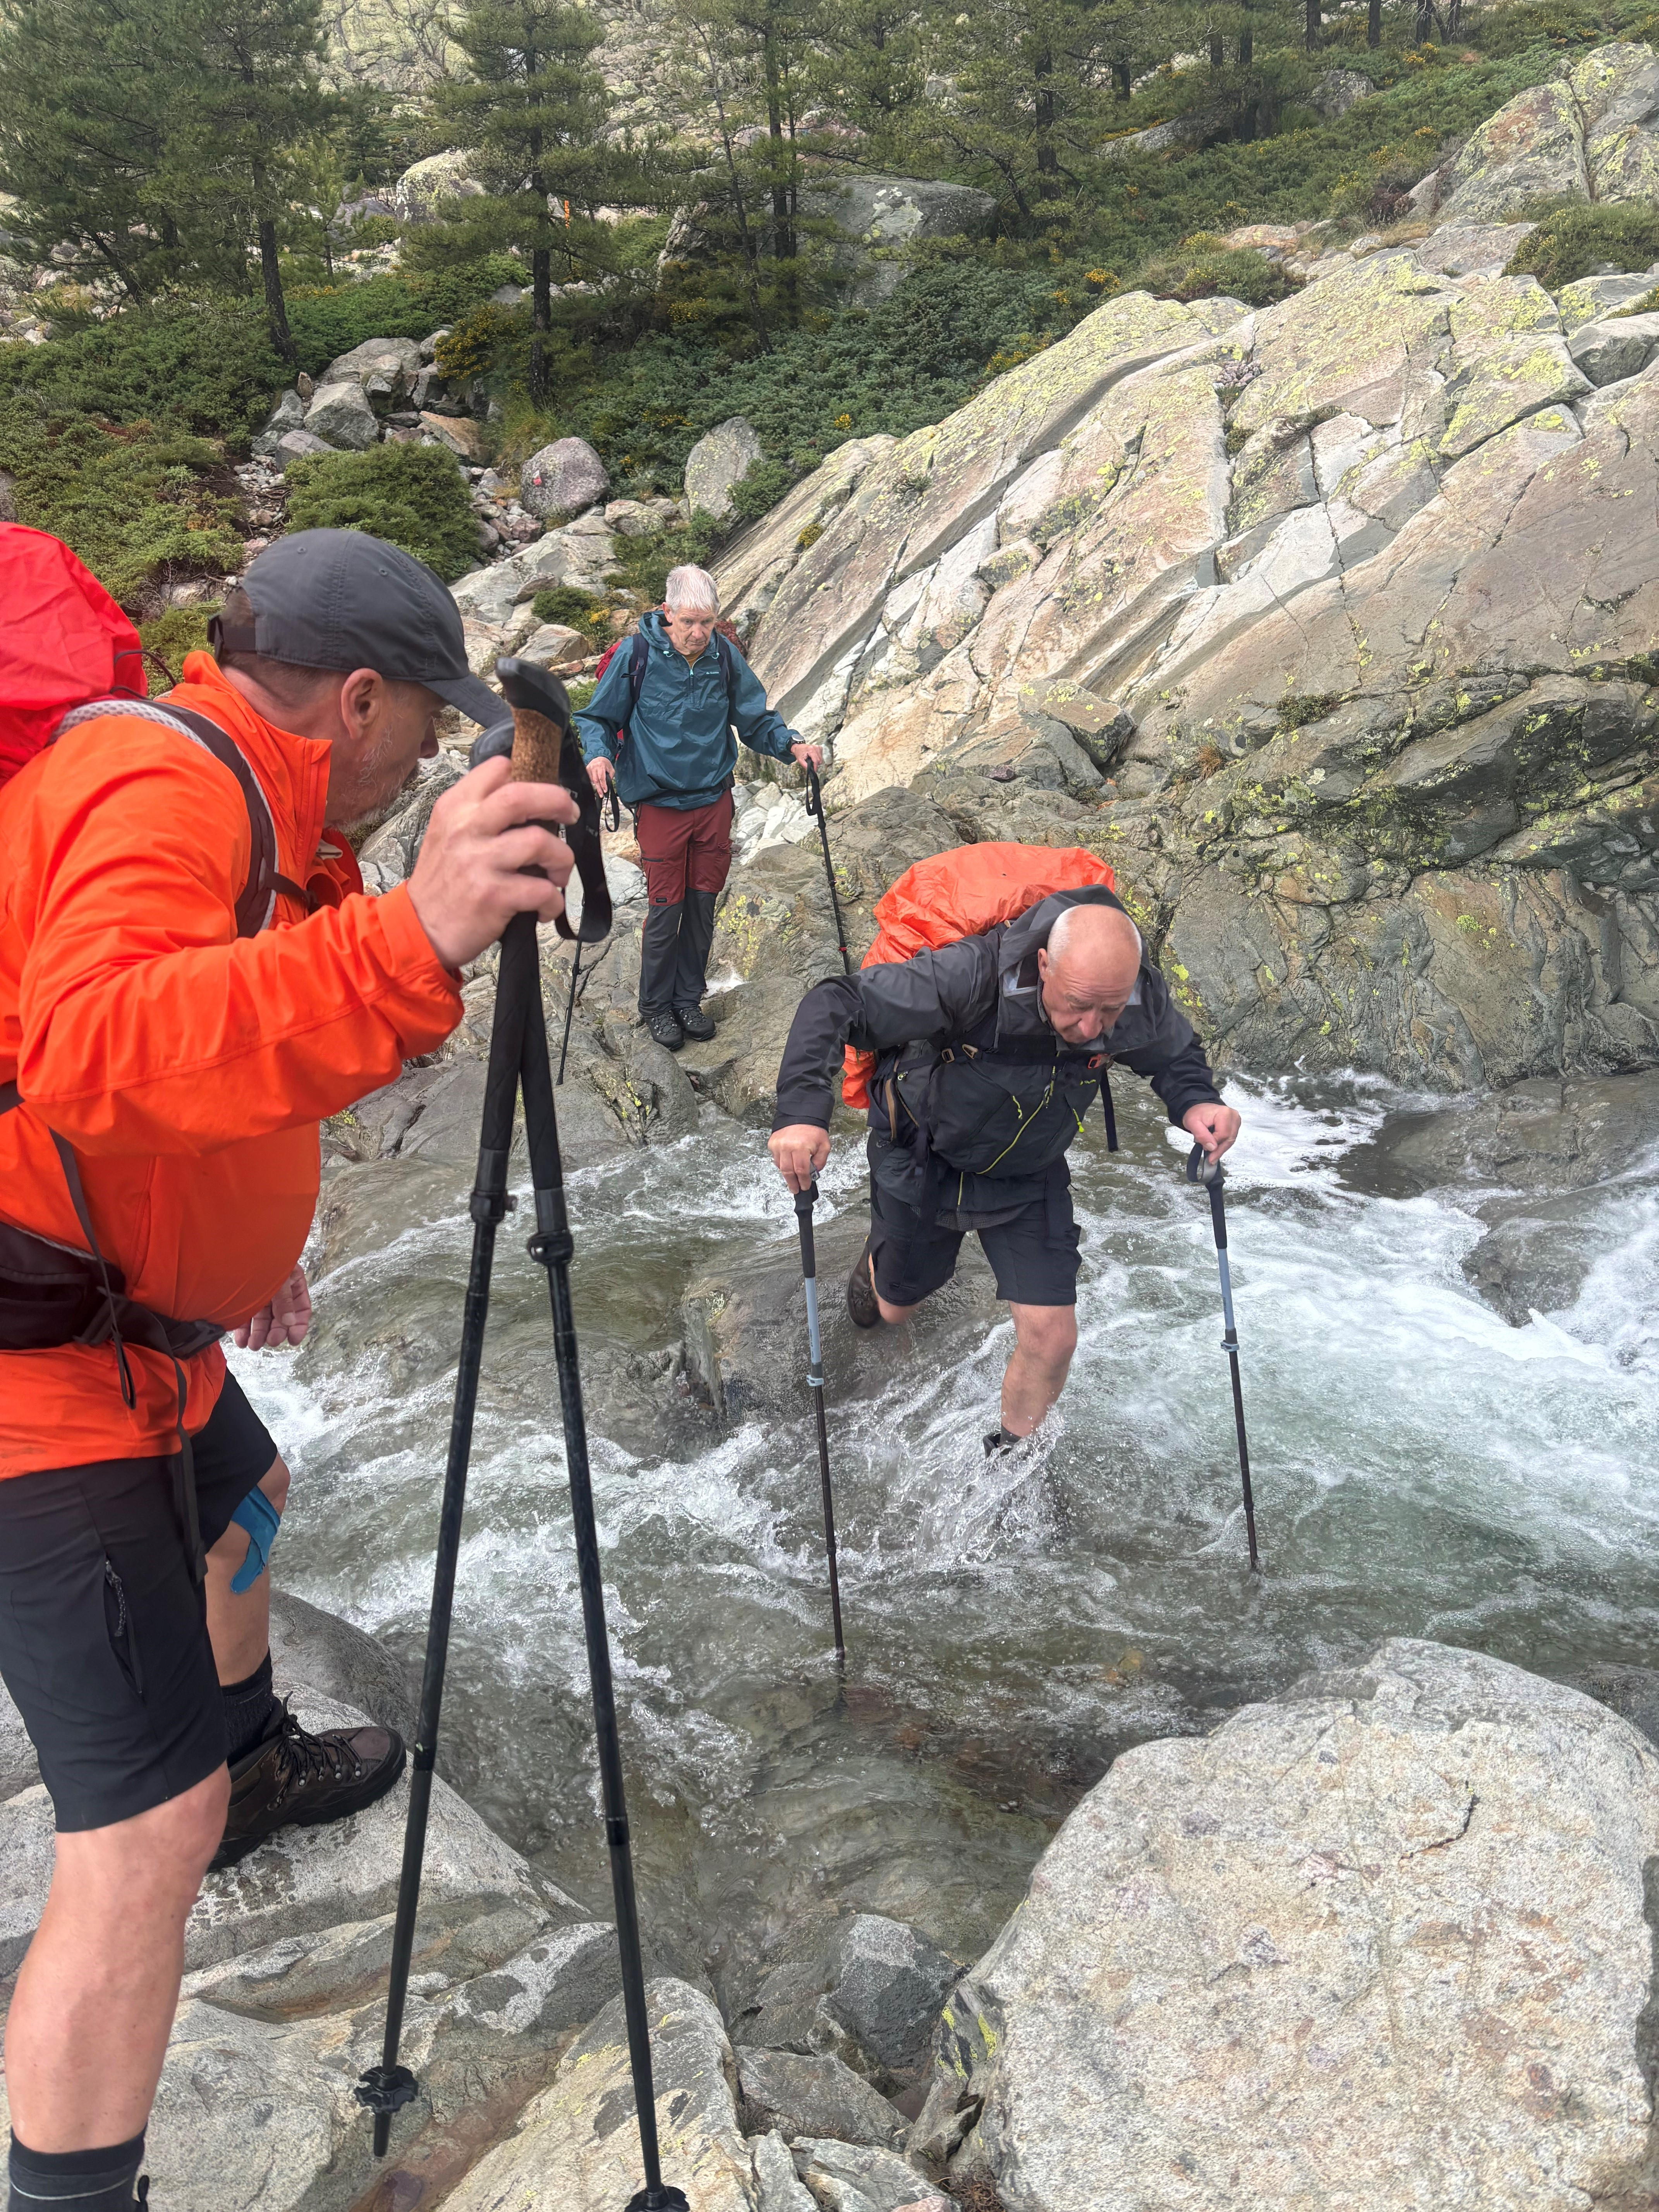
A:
208, 367
1576, 240
414, 495
140, 507
761, 489
173, 634
1563, 24
327, 320
1203, 268
563, 602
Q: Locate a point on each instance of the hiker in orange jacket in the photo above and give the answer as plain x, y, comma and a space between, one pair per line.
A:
177, 1071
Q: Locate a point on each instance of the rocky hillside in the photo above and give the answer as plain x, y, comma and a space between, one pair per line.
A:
1329, 625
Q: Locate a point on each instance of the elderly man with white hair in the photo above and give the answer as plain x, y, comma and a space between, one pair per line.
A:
665, 721
990, 1052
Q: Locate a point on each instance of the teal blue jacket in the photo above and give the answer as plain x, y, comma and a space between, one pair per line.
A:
679, 750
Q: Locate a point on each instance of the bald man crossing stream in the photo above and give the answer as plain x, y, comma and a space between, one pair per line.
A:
990, 1052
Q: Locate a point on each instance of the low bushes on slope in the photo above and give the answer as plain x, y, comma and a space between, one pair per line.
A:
1573, 240
415, 495
143, 506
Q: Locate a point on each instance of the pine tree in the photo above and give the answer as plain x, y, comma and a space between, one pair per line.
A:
249, 96
534, 108
1032, 78
82, 136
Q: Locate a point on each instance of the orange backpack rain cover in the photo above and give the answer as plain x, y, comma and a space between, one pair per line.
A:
958, 894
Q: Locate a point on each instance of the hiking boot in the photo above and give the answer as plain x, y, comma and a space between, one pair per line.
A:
664, 1029
861, 1292
1000, 1440
292, 1779
696, 1023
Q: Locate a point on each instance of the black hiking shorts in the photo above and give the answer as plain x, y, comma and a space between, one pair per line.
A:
1033, 1257
103, 1633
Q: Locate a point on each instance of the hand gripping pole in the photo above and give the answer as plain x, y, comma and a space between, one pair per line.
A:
542, 751
1202, 1168
805, 1202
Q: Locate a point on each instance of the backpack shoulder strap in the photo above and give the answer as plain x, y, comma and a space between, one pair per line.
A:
256, 901
639, 655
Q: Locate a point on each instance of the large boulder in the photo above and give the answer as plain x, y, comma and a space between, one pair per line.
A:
1620, 346
341, 416
1390, 1925
563, 478
758, 559
582, 558
717, 465
1590, 134
927, 491
577, 2147
878, 217
423, 187
385, 368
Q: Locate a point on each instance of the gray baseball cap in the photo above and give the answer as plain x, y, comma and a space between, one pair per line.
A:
339, 598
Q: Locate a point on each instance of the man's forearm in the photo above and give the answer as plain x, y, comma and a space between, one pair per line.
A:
824, 1021
1185, 1082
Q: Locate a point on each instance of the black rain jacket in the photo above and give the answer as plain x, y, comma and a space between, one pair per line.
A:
975, 1099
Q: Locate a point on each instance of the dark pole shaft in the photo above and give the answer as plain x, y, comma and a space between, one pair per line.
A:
815, 806
489, 1204
1230, 1344
569, 1011
805, 1202
552, 1246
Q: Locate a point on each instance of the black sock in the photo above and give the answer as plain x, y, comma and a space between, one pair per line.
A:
93, 2180
248, 1708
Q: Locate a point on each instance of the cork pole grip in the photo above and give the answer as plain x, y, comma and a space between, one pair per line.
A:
537, 744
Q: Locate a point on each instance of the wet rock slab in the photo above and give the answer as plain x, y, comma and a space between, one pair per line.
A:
577, 2147
1543, 1163
1389, 1926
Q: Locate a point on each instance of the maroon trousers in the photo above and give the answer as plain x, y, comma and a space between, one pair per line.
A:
686, 853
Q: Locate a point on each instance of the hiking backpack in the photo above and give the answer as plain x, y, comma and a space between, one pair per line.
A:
639, 653
69, 653
959, 894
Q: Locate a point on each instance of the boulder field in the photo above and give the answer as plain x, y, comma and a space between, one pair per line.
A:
1383, 1940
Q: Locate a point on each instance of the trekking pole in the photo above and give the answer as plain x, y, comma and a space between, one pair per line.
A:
576, 957
805, 1202
569, 1013
518, 1061
815, 806
1202, 1168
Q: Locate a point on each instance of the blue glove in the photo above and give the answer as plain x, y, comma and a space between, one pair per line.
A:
260, 1518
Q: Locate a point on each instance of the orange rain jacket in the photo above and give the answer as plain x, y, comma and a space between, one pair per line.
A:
188, 1067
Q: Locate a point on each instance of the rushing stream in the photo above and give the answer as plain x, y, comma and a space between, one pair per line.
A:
1421, 1468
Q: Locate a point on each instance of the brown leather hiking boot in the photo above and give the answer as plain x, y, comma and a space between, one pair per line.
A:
291, 1779
861, 1292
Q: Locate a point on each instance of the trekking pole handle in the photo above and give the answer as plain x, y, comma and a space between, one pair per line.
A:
814, 797
537, 744
806, 1200
1201, 1168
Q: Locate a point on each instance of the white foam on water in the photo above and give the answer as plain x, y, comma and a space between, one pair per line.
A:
1420, 1466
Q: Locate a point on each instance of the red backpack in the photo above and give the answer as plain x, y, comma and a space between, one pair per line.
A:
67, 652
63, 642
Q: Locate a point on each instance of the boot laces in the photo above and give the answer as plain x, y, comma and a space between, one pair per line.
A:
306, 1759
